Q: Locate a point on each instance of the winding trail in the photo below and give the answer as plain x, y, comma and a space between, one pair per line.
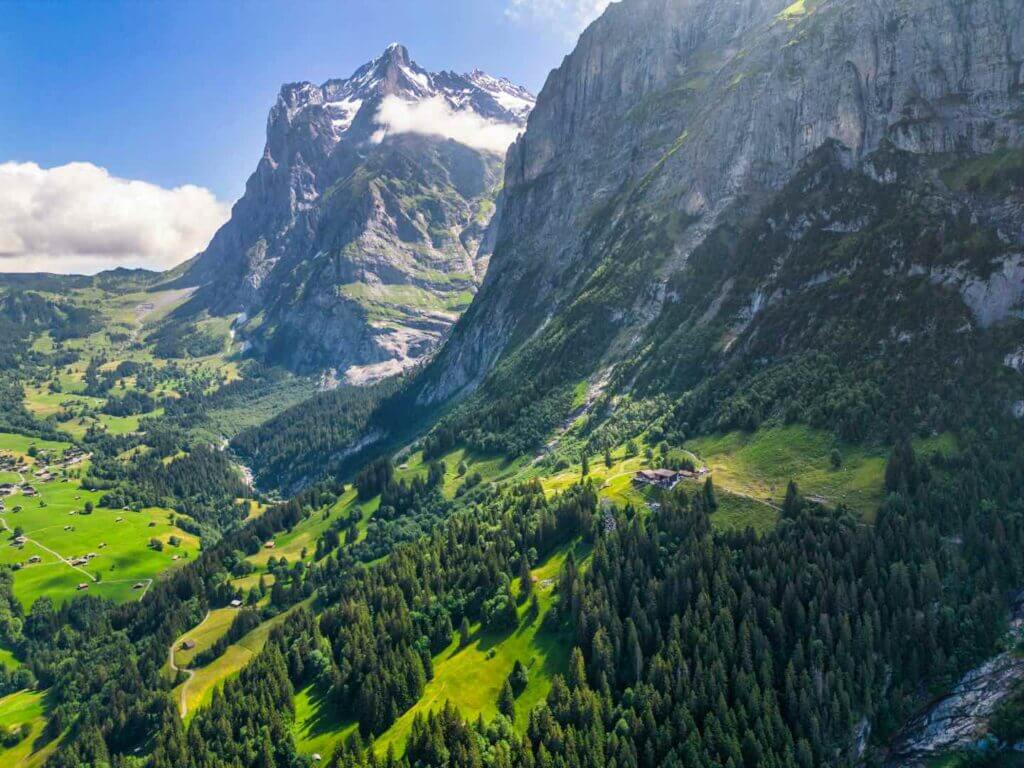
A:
45, 548
61, 558
751, 497
183, 703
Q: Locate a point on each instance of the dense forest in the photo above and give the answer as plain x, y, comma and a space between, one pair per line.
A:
315, 439
691, 647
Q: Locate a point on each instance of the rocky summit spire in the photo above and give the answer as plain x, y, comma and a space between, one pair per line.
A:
397, 53
346, 214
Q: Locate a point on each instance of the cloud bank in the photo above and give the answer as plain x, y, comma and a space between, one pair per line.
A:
77, 218
435, 117
570, 16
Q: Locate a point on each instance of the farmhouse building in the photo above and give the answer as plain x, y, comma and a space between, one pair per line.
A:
661, 478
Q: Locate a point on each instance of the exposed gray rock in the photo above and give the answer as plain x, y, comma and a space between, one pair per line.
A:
961, 717
992, 298
700, 106
357, 243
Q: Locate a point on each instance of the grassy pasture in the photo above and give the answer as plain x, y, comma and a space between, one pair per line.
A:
304, 535
318, 727
199, 691
761, 464
25, 707
471, 677
125, 560
205, 635
7, 658
19, 445
491, 468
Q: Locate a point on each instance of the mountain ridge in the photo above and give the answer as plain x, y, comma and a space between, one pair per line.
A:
715, 117
359, 239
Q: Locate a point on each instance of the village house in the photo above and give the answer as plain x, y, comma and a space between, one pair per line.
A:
236, 603
188, 645
35, 559
660, 478
82, 586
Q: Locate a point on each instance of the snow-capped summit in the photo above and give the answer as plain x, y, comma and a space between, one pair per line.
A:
395, 74
372, 188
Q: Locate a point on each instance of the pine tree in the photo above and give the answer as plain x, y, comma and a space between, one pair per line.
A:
464, 632
525, 578
710, 500
507, 701
791, 504
518, 678
836, 458
584, 465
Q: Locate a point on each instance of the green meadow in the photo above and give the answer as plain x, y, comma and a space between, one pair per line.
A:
204, 635
59, 531
198, 691
304, 535
25, 708
761, 464
471, 677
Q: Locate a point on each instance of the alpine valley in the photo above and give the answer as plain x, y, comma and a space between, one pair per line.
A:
674, 417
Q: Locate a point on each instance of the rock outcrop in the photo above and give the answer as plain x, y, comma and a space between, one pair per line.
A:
962, 716
362, 233
704, 109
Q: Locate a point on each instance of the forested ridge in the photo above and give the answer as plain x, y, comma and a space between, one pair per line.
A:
691, 647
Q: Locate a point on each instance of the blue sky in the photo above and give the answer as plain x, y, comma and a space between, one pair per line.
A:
178, 92
127, 129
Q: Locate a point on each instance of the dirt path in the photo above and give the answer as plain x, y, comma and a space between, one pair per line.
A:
183, 703
147, 582
749, 496
45, 548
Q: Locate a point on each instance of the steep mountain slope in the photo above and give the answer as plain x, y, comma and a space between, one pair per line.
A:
361, 234
655, 219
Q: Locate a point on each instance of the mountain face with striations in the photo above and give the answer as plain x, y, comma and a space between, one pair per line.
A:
362, 234
709, 193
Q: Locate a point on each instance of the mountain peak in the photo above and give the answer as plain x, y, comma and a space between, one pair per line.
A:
395, 52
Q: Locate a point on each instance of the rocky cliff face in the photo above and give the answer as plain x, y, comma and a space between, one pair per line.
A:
362, 233
672, 116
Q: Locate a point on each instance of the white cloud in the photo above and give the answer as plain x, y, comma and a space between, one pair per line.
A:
435, 117
77, 218
570, 16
